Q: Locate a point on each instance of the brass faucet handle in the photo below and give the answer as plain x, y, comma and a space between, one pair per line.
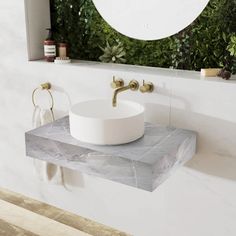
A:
134, 85
46, 86
117, 83
147, 87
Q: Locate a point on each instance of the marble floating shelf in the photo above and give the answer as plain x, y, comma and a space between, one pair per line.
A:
143, 164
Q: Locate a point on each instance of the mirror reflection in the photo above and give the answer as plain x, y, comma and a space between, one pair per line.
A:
209, 41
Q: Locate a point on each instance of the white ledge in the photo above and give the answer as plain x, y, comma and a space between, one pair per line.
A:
162, 72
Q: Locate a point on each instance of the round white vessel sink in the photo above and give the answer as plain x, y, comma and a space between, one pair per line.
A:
97, 122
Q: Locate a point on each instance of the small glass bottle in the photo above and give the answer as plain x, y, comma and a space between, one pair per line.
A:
49, 47
62, 50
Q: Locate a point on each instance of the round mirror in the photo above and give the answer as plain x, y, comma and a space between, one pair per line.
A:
149, 19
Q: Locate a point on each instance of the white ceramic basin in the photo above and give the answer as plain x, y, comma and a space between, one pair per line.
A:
97, 122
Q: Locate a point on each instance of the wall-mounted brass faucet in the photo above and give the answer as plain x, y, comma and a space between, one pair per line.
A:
117, 83
133, 86
147, 87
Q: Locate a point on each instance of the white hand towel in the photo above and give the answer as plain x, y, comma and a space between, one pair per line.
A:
47, 172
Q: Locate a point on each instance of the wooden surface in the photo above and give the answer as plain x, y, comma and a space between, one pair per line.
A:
22, 216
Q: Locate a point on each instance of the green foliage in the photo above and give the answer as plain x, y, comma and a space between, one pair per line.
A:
113, 54
232, 46
232, 49
207, 42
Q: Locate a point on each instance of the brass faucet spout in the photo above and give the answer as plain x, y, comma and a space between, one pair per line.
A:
116, 92
133, 85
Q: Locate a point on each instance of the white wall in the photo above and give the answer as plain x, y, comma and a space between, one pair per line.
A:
198, 199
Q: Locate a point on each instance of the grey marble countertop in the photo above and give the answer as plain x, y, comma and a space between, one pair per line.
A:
143, 164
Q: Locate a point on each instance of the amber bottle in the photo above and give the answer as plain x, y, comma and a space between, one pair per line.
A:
49, 47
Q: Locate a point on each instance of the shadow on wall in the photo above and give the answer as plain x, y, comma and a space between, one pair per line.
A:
216, 153
157, 114
73, 178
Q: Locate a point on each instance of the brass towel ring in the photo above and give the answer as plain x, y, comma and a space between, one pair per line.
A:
47, 87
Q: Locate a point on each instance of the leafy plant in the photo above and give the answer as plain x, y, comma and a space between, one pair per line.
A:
232, 49
113, 54
232, 46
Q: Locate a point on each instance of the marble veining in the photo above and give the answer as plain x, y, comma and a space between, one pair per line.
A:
143, 164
